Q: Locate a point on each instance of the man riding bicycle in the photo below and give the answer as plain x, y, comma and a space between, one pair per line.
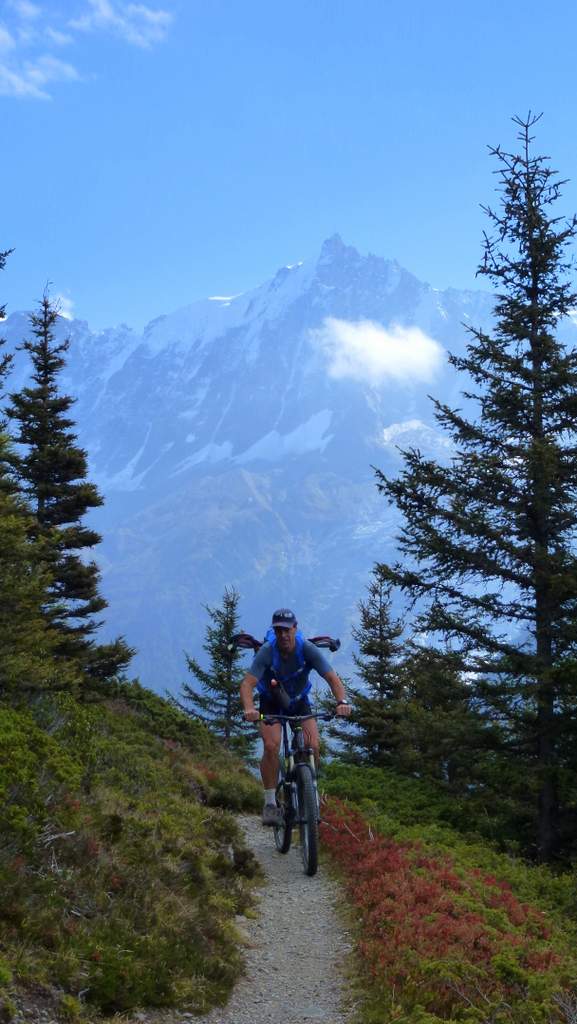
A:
280, 674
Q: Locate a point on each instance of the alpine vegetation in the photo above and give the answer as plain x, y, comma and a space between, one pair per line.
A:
121, 871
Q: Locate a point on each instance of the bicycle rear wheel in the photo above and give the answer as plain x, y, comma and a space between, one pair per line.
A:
309, 823
283, 832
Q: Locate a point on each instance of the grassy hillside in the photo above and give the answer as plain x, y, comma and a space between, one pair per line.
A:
122, 871
121, 866
449, 929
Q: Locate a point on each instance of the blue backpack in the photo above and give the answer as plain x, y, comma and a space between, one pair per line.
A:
289, 688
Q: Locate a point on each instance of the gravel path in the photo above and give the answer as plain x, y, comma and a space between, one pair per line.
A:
298, 950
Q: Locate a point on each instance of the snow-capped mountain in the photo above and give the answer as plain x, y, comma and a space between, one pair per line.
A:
234, 442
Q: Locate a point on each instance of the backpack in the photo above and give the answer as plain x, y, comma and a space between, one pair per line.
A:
289, 689
246, 640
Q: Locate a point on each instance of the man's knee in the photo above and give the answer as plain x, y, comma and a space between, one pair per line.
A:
313, 744
271, 745
312, 738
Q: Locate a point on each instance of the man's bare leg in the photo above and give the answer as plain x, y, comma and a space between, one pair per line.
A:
271, 737
312, 738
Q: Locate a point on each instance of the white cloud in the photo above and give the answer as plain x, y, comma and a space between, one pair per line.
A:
29, 79
25, 9
416, 434
19, 84
368, 352
7, 41
65, 306
29, 35
58, 37
48, 69
135, 23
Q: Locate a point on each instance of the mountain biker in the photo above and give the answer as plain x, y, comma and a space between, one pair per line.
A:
294, 658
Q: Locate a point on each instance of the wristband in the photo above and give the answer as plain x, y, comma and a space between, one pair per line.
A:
340, 703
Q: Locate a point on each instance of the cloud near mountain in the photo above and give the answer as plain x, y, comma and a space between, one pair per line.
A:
366, 351
229, 455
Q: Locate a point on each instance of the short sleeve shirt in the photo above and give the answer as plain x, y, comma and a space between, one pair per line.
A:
314, 658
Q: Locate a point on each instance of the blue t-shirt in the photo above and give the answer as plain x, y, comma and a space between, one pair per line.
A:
262, 667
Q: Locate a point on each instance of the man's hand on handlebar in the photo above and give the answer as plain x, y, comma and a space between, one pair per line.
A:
343, 710
251, 715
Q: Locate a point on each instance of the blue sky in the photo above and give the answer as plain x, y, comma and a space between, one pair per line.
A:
155, 153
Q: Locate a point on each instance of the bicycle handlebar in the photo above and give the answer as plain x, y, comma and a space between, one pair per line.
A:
324, 716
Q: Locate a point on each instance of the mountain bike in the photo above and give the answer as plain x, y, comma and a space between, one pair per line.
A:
296, 791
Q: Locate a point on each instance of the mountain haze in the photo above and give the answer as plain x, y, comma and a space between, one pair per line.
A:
234, 440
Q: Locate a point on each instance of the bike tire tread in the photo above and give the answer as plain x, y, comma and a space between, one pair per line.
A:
309, 826
283, 833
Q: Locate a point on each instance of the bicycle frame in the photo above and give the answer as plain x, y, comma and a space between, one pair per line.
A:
294, 750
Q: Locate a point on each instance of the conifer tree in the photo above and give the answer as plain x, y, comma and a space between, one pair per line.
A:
217, 702
488, 540
28, 661
53, 469
5, 364
373, 734
27, 643
445, 737
5, 359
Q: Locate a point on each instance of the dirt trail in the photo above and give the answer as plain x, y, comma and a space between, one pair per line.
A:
298, 951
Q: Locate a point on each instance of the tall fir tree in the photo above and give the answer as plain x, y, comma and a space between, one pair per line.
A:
53, 470
489, 539
5, 359
27, 642
217, 702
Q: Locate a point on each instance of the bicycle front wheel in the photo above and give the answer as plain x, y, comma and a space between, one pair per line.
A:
309, 822
283, 832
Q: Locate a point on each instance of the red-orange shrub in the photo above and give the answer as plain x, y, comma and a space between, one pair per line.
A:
443, 937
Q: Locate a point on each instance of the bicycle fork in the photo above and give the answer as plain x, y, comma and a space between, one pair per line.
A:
291, 777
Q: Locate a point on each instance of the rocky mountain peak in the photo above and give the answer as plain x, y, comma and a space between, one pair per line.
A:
234, 441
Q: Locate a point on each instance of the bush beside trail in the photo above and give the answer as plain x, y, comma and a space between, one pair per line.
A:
450, 929
121, 868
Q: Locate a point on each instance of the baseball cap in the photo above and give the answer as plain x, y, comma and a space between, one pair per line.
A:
284, 618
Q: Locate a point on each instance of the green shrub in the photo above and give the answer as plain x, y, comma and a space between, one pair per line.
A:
5, 974
35, 773
164, 719
8, 1009
236, 791
70, 1008
122, 870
